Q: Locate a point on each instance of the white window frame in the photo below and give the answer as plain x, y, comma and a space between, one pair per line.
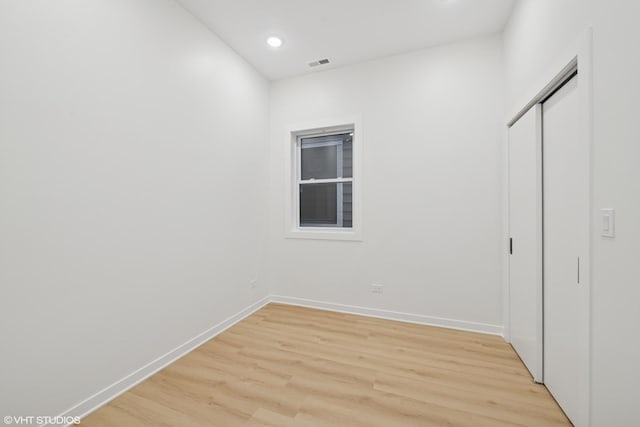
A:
293, 179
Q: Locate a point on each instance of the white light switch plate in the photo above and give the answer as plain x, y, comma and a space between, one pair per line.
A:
608, 217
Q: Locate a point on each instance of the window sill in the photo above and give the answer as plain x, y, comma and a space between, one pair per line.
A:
324, 234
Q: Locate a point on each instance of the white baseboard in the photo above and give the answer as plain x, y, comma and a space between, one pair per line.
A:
109, 393
420, 319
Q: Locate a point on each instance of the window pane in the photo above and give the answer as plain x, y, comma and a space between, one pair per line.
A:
327, 157
326, 205
347, 157
319, 162
347, 204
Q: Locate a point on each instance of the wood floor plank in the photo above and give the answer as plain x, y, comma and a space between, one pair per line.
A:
266, 418
290, 366
461, 398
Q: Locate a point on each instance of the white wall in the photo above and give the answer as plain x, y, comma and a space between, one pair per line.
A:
432, 184
538, 31
132, 192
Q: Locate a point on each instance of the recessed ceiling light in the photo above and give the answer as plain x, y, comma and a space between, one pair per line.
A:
274, 41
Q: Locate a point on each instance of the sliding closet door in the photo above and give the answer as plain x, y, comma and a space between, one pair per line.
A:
566, 207
525, 228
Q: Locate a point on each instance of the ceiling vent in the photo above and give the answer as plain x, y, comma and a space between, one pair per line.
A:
318, 62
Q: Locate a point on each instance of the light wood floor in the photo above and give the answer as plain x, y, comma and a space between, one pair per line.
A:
290, 366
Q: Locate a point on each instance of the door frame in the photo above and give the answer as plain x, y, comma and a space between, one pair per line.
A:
577, 57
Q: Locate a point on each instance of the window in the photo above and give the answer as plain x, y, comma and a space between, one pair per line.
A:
325, 180
325, 191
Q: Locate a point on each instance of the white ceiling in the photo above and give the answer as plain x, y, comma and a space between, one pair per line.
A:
344, 31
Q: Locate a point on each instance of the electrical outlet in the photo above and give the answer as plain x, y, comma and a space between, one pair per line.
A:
253, 283
377, 289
